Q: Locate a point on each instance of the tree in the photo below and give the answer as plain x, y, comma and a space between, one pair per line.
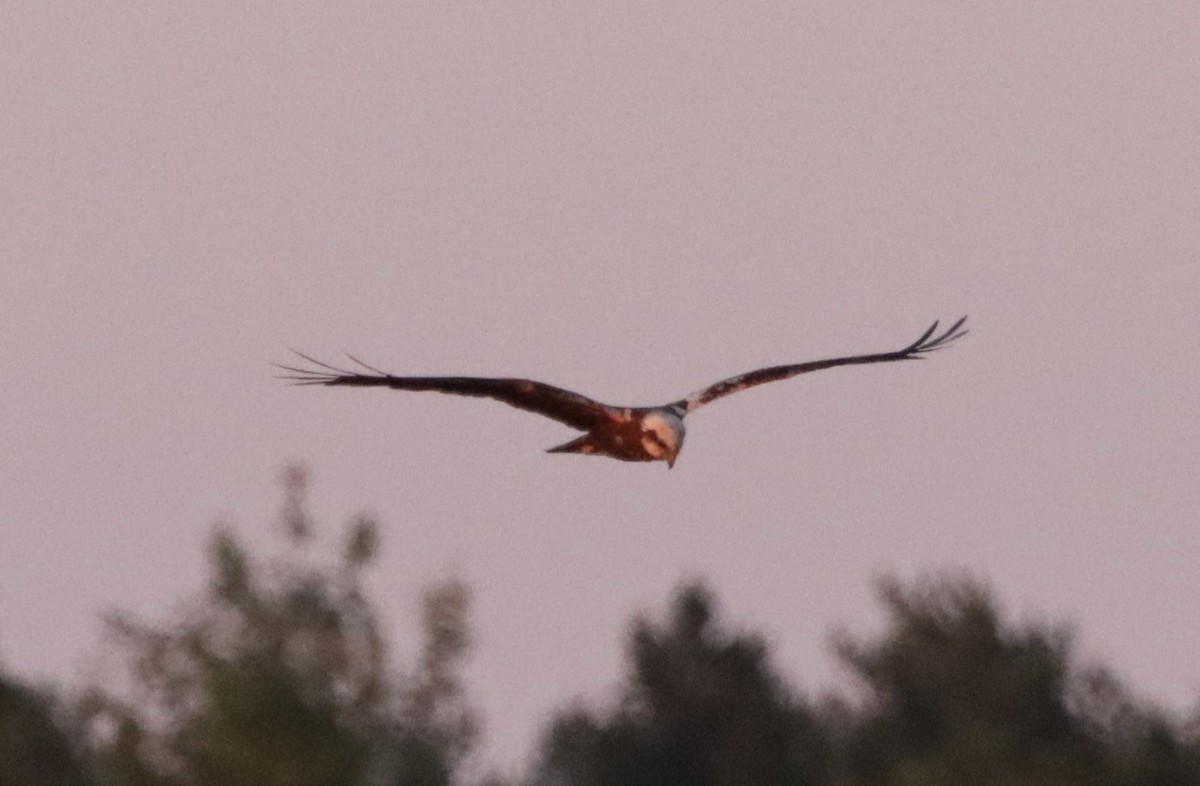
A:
33, 747
949, 693
278, 674
701, 706
954, 694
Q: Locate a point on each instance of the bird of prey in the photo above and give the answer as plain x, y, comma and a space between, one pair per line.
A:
625, 433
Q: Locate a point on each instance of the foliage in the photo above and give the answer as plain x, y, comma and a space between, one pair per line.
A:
949, 693
34, 749
701, 706
955, 694
278, 674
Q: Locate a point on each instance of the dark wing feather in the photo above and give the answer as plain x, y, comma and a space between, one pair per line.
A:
565, 406
926, 343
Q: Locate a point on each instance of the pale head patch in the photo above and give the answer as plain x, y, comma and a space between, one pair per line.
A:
662, 433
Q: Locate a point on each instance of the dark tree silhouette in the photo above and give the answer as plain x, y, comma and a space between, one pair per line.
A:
949, 693
34, 748
954, 694
702, 706
278, 674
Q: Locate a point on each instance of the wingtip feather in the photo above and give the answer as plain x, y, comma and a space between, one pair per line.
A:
931, 343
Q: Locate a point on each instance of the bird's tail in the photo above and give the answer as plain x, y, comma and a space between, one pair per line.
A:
577, 445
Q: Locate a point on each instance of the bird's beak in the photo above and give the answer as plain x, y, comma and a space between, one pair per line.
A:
670, 462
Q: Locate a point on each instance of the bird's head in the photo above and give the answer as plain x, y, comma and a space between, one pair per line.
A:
662, 435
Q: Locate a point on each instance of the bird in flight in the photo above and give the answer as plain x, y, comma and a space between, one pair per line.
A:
625, 433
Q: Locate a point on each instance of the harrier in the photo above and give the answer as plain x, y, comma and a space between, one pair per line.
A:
625, 433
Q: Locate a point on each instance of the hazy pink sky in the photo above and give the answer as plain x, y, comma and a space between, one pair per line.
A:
631, 199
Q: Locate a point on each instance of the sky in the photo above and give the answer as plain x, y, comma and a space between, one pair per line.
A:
631, 200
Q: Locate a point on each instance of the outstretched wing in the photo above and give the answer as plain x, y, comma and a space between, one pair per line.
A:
565, 406
926, 343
